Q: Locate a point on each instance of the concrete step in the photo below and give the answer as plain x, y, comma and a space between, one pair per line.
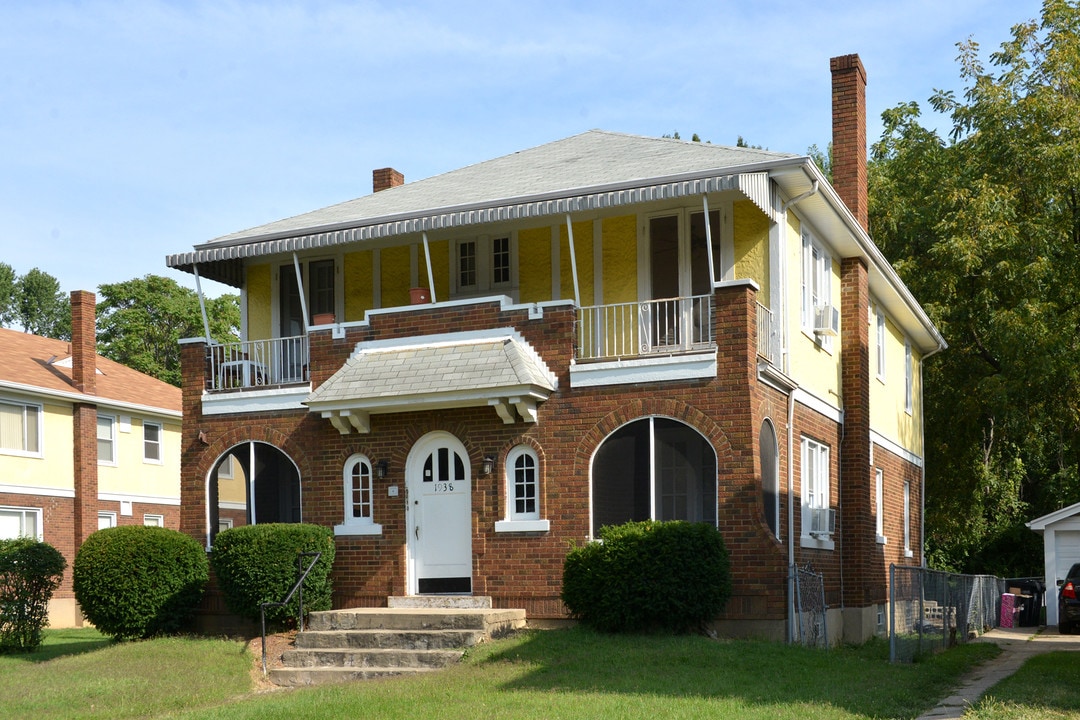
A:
299, 677
401, 639
369, 658
457, 602
492, 622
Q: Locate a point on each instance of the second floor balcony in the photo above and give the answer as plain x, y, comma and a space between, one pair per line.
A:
254, 364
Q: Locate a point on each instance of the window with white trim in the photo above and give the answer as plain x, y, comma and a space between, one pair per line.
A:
879, 504
106, 440
150, 520
816, 286
815, 491
16, 522
106, 520
909, 372
20, 428
522, 492
483, 264
880, 318
151, 442
359, 498
907, 519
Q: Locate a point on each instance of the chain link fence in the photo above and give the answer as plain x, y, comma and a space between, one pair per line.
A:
930, 610
809, 586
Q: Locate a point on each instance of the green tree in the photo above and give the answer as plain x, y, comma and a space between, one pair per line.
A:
8, 287
141, 321
985, 229
40, 307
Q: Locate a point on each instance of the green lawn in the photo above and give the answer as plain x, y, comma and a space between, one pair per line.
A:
1047, 687
552, 674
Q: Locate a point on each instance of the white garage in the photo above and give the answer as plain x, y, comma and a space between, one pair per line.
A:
1061, 548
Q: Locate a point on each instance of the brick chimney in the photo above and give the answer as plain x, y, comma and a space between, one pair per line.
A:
84, 414
849, 134
385, 178
83, 342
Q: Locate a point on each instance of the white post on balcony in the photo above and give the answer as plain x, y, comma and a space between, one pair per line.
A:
202, 305
708, 242
300, 285
430, 276
573, 260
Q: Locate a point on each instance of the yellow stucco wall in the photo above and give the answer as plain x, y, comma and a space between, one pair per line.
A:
751, 245
55, 467
131, 475
619, 258
257, 294
396, 274
887, 413
583, 246
358, 284
534, 263
816, 369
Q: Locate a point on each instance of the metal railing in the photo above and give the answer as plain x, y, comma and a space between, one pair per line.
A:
768, 335
930, 610
257, 363
636, 329
298, 587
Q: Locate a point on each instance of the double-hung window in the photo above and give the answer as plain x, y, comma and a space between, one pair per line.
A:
151, 442
16, 522
522, 492
20, 428
907, 520
909, 376
816, 287
880, 318
359, 499
817, 516
484, 264
106, 440
879, 504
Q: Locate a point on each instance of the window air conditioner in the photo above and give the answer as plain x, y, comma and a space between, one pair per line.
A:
822, 521
827, 321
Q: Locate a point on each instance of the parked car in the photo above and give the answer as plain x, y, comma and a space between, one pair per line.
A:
1069, 602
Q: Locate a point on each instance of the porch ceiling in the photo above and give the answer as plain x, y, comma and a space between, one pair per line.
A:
450, 371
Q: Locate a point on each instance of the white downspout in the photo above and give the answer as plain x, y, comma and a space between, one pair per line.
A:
791, 514
430, 275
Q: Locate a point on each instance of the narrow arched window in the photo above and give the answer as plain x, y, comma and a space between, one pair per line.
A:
522, 493
359, 499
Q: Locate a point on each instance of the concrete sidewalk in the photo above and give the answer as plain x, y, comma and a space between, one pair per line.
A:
1017, 645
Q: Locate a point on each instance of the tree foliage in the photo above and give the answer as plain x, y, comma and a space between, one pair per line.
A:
40, 307
141, 321
984, 227
8, 287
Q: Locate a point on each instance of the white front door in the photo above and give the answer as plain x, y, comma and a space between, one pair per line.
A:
439, 516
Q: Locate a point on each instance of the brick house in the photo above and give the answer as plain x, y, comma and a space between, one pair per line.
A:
466, 374
85, 443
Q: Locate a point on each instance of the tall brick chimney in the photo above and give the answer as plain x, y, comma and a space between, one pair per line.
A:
84, 414
385, 178
849, 134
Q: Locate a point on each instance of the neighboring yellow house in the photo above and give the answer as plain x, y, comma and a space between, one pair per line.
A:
85, 443
466, 374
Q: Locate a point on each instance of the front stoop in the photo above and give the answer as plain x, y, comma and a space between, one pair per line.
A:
363, 643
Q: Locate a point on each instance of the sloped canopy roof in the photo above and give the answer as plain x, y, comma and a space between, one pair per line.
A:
447, 371
1040, 524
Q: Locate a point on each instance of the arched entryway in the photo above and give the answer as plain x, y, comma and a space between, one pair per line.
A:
251, 483
653, 468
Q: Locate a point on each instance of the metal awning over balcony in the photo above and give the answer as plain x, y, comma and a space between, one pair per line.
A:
497, 369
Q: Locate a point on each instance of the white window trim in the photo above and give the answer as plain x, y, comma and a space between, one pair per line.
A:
354, 525
160, 445
521, 522
879, 505
907, 520
225, 524
106, 515
485, 283
40, 429
881, 335
909, 377
159, 518
819, 269
812, 448
39, 535
112, 439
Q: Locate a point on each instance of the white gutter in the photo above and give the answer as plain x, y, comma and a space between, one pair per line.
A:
102, 402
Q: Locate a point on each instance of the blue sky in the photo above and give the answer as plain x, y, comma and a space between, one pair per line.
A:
133, 129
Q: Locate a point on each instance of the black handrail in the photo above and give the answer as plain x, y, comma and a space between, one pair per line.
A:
301, 576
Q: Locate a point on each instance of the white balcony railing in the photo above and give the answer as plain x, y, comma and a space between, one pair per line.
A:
768, 335
643, 328
257, 363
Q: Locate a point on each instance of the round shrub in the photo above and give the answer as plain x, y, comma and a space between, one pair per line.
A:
258, 563
30, 571
647, 576
137, 582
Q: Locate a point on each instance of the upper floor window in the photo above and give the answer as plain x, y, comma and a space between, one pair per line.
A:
483, 264
879, 316
359, 498
320, 294
909, 372
106, 439
20, 428
16, 522
151, 442
816, 299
